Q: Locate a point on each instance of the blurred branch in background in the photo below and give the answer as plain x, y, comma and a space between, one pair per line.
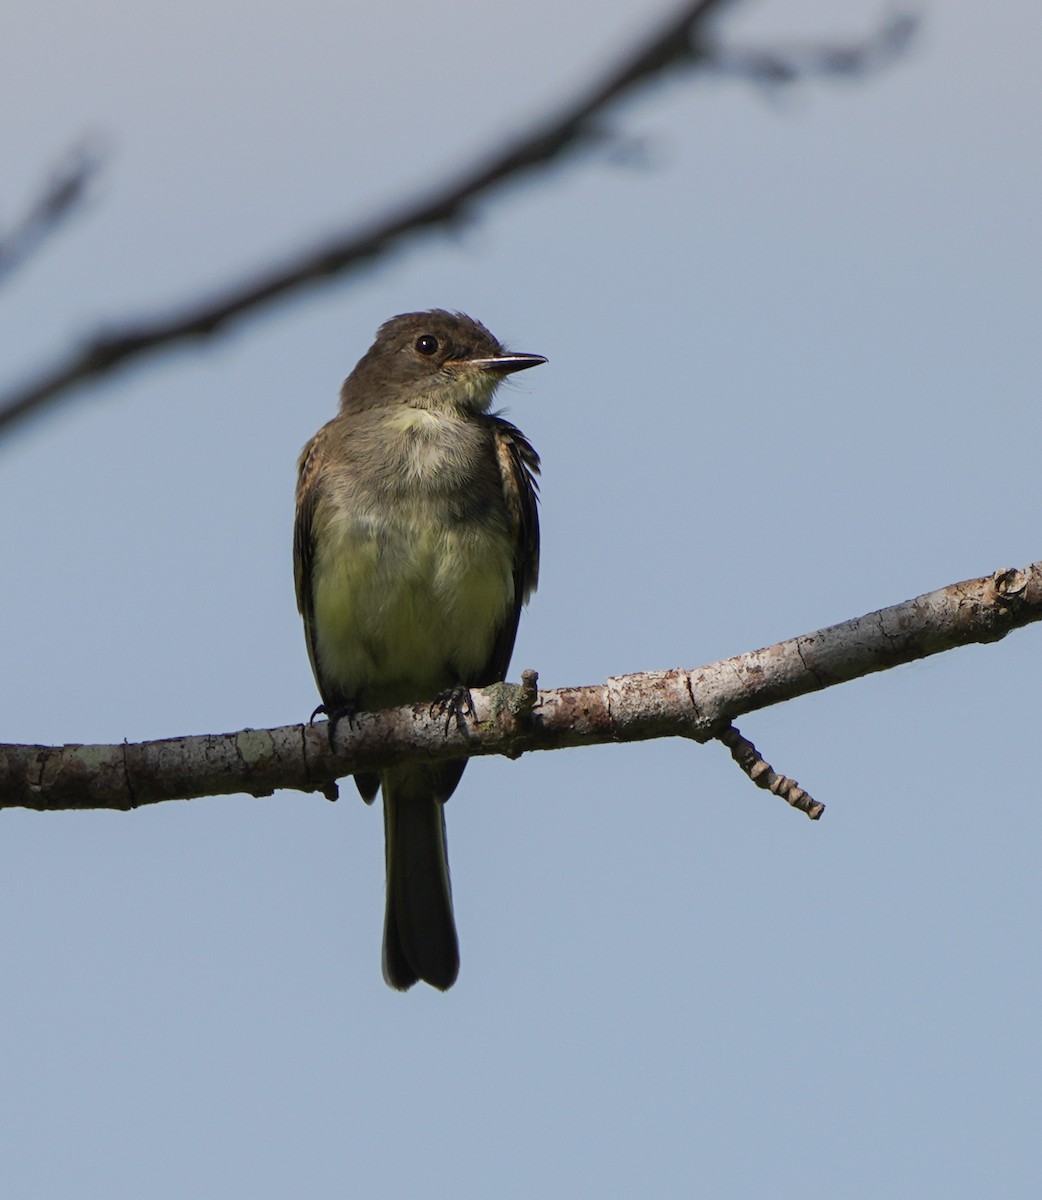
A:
60, 198
508, 719
685, 43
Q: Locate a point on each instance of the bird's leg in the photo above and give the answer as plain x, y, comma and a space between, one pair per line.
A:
453, 702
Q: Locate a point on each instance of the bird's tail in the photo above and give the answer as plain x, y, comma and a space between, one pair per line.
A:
419, 930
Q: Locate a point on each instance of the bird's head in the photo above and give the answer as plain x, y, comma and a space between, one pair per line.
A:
433, 360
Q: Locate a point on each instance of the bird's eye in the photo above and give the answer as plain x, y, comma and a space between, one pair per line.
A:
428, 344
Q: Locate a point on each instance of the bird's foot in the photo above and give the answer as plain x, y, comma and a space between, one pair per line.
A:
341, 712
453, 703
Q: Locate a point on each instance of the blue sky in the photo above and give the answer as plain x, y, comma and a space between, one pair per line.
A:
794, 376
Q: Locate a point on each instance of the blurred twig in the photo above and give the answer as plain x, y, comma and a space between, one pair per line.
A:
59, 199
775, 66
683, 42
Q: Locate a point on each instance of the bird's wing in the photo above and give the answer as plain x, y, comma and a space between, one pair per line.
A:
303, 541
519, 466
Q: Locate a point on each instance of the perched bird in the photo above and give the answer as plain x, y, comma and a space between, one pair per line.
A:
416, 543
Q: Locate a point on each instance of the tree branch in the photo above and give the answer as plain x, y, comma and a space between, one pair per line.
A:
681, 43
509, 719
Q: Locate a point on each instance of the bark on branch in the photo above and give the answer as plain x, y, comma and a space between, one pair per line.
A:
510, 719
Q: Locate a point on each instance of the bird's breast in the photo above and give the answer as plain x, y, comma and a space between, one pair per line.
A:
412, 579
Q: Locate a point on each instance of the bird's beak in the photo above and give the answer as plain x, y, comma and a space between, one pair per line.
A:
506, 364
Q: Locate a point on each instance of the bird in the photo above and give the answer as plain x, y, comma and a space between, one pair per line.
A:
416, 543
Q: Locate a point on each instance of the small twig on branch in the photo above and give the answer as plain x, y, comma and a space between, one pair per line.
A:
681, 42
59, 199
764, 775
511, 720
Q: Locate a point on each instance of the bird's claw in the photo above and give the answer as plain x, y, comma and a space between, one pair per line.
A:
342, 712
454, 702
